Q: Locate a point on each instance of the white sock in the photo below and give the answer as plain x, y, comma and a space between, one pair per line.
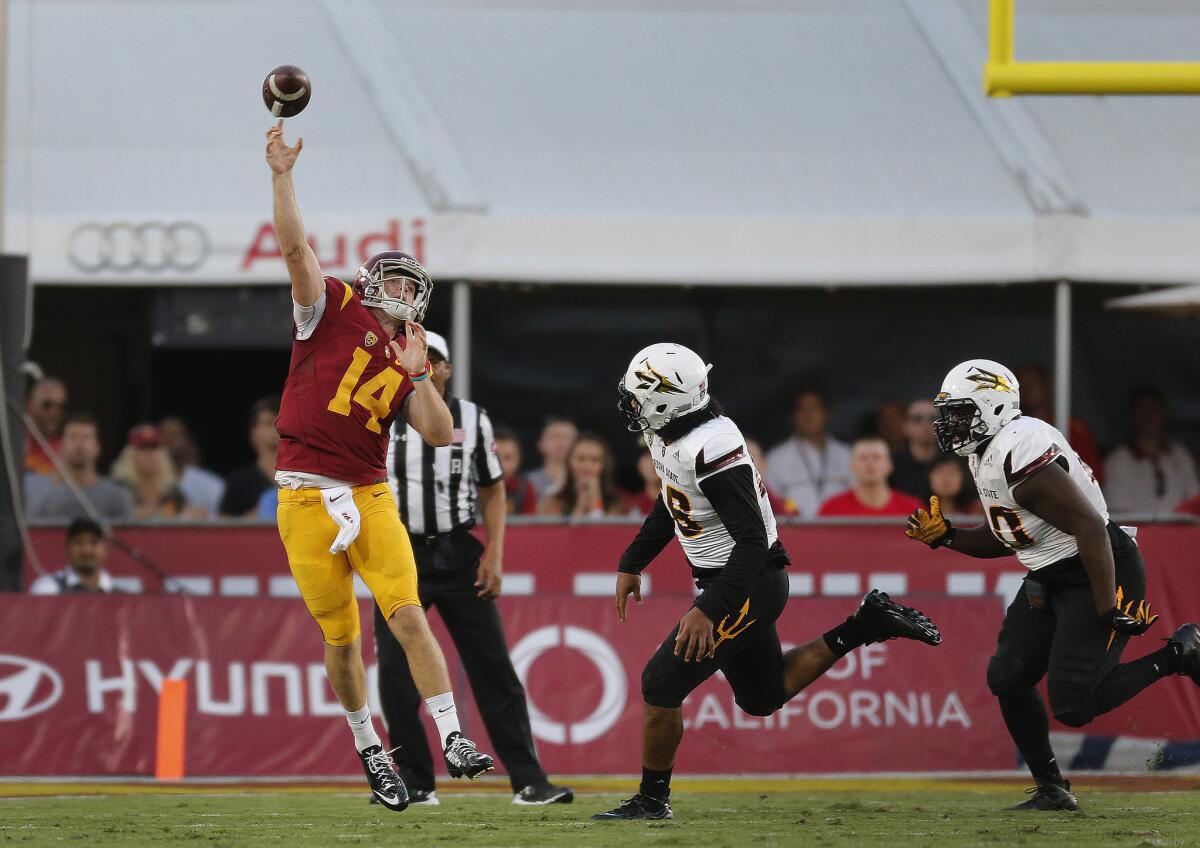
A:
444, 713
363, 728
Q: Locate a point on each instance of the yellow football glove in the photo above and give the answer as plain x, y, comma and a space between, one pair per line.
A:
931, 528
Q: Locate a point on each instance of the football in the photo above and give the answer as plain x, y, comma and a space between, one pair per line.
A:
286, 91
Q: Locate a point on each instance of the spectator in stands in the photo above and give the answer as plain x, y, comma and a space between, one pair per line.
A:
1037, 401
520, 493
870, 465
246, 485
588, 490
558, 434
779, 506
80, 450
144, 467
1149, 473
201, 489
46, 406
643, 501
949, 480
86, 550
890, 420
913, 462
811, 466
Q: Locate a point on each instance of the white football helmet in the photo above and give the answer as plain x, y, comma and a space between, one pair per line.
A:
663, 382
978, 397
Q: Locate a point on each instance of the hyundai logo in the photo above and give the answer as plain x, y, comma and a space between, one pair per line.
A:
33, 688
147, 247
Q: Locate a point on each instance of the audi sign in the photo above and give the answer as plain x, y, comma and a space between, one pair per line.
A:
147, 247
27, 687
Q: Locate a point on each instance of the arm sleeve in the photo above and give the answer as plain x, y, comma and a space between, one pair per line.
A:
734, 496
657, 530
307, 317
487, 463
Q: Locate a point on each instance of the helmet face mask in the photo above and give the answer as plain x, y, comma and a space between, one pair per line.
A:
663, 383
978, 398
371, 279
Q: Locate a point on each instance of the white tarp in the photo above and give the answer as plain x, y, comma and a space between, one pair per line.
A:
712, 141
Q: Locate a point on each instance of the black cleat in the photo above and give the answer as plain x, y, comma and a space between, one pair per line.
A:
1187, 638
416, 798
463, 760
882, 618
638, 807
1047, 797
385, 784
543, 792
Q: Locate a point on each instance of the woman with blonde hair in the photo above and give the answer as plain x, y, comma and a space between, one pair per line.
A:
145, 468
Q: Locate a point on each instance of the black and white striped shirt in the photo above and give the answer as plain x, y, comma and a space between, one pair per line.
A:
435, 488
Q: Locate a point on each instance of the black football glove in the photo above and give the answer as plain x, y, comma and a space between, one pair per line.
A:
1131, 621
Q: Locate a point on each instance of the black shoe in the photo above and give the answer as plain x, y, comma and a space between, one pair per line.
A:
1048, 797
416, 798
1187, 638
543, 792
462, 760
385, 784
638, 807
882, 618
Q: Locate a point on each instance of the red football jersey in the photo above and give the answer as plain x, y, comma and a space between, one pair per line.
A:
343, 390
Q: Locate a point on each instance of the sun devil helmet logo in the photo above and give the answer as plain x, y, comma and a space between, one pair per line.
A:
33, 688
988, 380
648, 378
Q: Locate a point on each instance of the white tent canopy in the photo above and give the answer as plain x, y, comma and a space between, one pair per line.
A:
698, 141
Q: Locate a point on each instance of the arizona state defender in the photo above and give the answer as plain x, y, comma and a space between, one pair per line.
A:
1084, 595
715, 503
358, 359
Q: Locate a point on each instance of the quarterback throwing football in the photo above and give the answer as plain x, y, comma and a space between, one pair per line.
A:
715, 503
1085, 593
358, 359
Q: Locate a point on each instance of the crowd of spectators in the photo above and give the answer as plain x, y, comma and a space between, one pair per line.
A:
889, 468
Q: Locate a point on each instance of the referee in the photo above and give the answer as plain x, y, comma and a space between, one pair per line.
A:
440, 491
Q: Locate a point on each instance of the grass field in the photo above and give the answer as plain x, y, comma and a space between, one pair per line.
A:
708, 813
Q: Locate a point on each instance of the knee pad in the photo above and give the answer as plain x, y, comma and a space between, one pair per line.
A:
654, 691
1004, 678
339, 624
1077, 717
758, 706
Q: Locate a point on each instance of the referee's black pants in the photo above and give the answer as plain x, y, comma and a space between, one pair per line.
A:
447, 571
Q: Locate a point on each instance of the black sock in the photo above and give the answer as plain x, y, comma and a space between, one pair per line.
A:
845, 637
1127, 679
1025, 718
656, 784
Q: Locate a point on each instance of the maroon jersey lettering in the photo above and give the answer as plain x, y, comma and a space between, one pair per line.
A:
343, 390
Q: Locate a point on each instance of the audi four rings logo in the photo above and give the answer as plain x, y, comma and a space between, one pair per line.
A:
32, 688
146, 247
612, 675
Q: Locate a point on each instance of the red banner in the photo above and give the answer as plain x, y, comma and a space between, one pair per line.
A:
79, 678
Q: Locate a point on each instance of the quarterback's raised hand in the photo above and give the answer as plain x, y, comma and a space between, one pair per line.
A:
280, 157
627, 584
930, 528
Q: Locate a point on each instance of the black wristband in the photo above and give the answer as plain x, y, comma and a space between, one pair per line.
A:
946, 538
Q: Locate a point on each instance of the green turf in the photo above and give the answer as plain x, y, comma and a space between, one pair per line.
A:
709, 820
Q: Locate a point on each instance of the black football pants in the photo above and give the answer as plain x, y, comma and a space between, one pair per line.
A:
474, 625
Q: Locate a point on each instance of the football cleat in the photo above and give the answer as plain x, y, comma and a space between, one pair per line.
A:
417, 798
543, 792
1047, 797
1187, 638
462, 758
882, 618
385, 784
638, 807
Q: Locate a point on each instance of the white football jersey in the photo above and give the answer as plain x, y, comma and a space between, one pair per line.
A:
1023, 446
716, 445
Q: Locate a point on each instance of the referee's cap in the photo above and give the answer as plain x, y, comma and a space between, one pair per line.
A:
435, 341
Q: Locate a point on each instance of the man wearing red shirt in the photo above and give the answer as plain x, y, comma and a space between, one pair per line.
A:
358, 358
870, 467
